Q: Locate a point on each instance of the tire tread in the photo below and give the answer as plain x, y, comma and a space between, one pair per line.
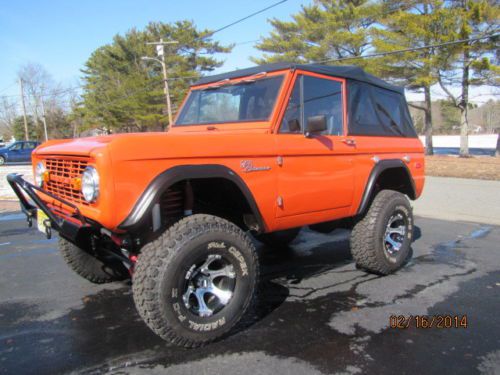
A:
364, 234
156, 255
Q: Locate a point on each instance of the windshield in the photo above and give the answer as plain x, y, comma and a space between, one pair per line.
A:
251, 100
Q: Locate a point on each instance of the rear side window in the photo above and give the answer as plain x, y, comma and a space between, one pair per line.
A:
29, 145
378, 112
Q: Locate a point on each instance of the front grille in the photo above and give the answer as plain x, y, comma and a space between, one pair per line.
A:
62, 172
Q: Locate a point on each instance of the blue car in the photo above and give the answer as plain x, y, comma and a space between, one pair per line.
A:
17, 152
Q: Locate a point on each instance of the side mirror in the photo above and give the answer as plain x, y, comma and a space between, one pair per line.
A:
315, 124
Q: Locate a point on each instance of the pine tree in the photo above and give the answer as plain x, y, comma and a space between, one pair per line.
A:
325, 30
122, 93
418, 25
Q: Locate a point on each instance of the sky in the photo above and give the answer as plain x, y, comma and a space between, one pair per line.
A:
61, 34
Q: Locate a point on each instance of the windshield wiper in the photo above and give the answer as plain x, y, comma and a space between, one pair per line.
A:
253, 78
227, 81
217, 85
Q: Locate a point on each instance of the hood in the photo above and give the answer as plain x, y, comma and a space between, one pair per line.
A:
163, 145
77, 146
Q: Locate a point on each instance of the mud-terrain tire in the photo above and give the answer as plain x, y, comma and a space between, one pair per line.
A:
173, 269
88, 266
390, 214
280, 239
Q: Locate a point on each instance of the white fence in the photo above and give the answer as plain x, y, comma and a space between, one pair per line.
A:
475, 141
6, 191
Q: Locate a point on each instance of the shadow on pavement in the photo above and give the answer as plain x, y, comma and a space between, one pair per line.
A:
305, 290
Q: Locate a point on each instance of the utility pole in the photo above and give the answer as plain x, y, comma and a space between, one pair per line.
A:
26, 135
160, 52
43, 118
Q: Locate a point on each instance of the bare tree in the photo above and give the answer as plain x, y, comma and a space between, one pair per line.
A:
470, 63
45, 98
8, 113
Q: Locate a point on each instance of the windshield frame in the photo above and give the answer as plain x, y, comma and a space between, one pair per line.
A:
284, 80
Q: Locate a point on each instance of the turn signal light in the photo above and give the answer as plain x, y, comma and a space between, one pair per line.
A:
76, 183
46, 176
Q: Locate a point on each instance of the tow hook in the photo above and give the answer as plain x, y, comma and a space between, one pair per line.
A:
132, 259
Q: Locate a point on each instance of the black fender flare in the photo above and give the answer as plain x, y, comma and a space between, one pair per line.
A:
164, 180
377, 170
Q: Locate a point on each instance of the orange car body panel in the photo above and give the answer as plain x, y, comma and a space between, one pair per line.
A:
316, 179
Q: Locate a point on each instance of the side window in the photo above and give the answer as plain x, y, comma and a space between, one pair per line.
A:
16, 146
29, 146
310, 97
324, 97
292, 120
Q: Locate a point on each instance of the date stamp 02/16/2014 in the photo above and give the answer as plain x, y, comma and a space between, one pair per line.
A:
428, 321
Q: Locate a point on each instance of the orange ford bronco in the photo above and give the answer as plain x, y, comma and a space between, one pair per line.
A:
260, 151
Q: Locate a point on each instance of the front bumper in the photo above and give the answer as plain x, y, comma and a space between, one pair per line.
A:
71, 226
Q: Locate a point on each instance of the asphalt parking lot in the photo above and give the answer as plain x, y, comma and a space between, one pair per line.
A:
318, 314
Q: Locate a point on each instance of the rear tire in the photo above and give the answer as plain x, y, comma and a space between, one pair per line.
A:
380, 242
280, 239
197, 281
88, 266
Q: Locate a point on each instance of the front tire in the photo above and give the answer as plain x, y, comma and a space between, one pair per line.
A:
197, 281
88, 266
380, 242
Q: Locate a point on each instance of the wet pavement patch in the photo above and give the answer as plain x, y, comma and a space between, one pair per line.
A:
316, 314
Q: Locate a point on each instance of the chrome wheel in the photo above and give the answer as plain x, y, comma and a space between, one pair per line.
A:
395, 233
209, 286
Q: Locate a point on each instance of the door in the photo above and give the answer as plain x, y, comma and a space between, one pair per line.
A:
317, 172
28, 148
15, 152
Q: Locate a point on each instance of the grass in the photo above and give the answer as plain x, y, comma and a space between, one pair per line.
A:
483, 168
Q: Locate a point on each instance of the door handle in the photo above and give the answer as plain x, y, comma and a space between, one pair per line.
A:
349, 141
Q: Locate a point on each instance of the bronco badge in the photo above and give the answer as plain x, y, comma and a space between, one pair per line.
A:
247, 166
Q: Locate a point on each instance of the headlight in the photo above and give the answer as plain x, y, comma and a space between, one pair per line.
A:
90, 184
39, 171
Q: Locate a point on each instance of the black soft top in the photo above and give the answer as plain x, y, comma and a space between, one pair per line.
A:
349, 72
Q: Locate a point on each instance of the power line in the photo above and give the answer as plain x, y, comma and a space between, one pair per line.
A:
409, 49
243, 19
50, 94
188, 77
8, 87
246, 42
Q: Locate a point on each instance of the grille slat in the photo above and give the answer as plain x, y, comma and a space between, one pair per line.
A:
62, 171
